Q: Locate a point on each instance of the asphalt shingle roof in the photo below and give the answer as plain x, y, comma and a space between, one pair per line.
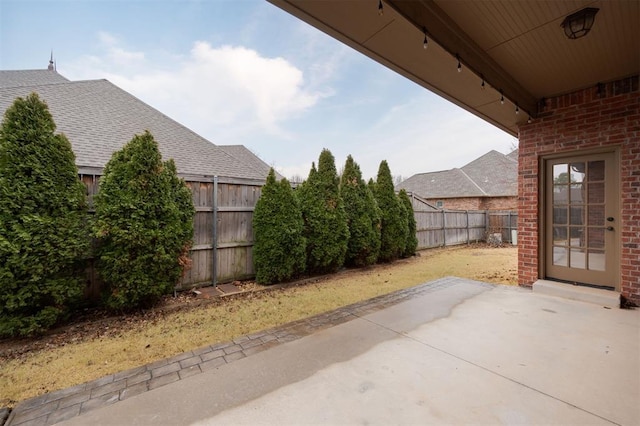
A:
491, 175
244, 154
98, 118
12, 78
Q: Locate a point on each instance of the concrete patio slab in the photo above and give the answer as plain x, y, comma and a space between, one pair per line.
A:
453, 351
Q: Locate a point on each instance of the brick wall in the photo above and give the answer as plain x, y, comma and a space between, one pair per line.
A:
601, 116
477, 203
463, 203
499, 203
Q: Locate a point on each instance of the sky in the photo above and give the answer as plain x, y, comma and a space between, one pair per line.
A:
246, 72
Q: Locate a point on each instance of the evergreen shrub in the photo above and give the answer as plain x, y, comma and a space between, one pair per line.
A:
363, 217
144, 223
325, 221
412, 240
394, 227
279, 246
43, 236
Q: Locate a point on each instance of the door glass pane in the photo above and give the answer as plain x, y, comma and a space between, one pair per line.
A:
596, 238
575, 237
577, 171
560, 216
596, 215
596, 192
559, 235
577, 215
595, 171
560, 170
578, 259
560, 194
560, 256
576, 195
596, 260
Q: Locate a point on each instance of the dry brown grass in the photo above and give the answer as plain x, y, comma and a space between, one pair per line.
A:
143, 342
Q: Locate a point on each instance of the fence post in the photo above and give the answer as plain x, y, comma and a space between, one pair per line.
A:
509, 228
467, 213
214, 243
486, 224
444, 229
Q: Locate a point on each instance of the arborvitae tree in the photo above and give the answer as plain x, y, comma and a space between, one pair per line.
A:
42, 221
372, 187
279, 247
394, 220
363, 217
412, 239
144, 222
325, 222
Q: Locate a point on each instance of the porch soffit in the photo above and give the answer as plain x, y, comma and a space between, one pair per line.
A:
518, 46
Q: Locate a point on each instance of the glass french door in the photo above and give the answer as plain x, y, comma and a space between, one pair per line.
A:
582, 220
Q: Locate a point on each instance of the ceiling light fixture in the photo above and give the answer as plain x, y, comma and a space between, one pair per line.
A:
517, 109
501, 97
459, 64
482, 85
380, 8
579, 24
425, 44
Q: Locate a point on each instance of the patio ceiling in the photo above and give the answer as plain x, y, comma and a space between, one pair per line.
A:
518, 47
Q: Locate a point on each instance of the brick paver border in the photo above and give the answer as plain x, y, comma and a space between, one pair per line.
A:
64, 404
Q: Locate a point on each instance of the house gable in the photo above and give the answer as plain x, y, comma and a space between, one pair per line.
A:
489, 182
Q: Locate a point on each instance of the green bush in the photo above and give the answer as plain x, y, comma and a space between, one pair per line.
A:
279, 247
363, 217
144, 223
393, 234
412, 239
325, 221
42, 221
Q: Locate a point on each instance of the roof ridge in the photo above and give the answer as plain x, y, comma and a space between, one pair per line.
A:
473, 182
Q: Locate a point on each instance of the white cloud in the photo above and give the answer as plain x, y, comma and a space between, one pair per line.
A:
117, 55
220, 92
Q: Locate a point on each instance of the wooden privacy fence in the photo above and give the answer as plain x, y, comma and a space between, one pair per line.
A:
220, 253
224, 252
447, 228
505, 223
437, 228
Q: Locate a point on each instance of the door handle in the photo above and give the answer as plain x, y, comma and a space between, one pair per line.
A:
610, 219
609, 228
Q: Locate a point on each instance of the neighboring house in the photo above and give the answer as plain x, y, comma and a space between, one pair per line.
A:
99, 118
487, 183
